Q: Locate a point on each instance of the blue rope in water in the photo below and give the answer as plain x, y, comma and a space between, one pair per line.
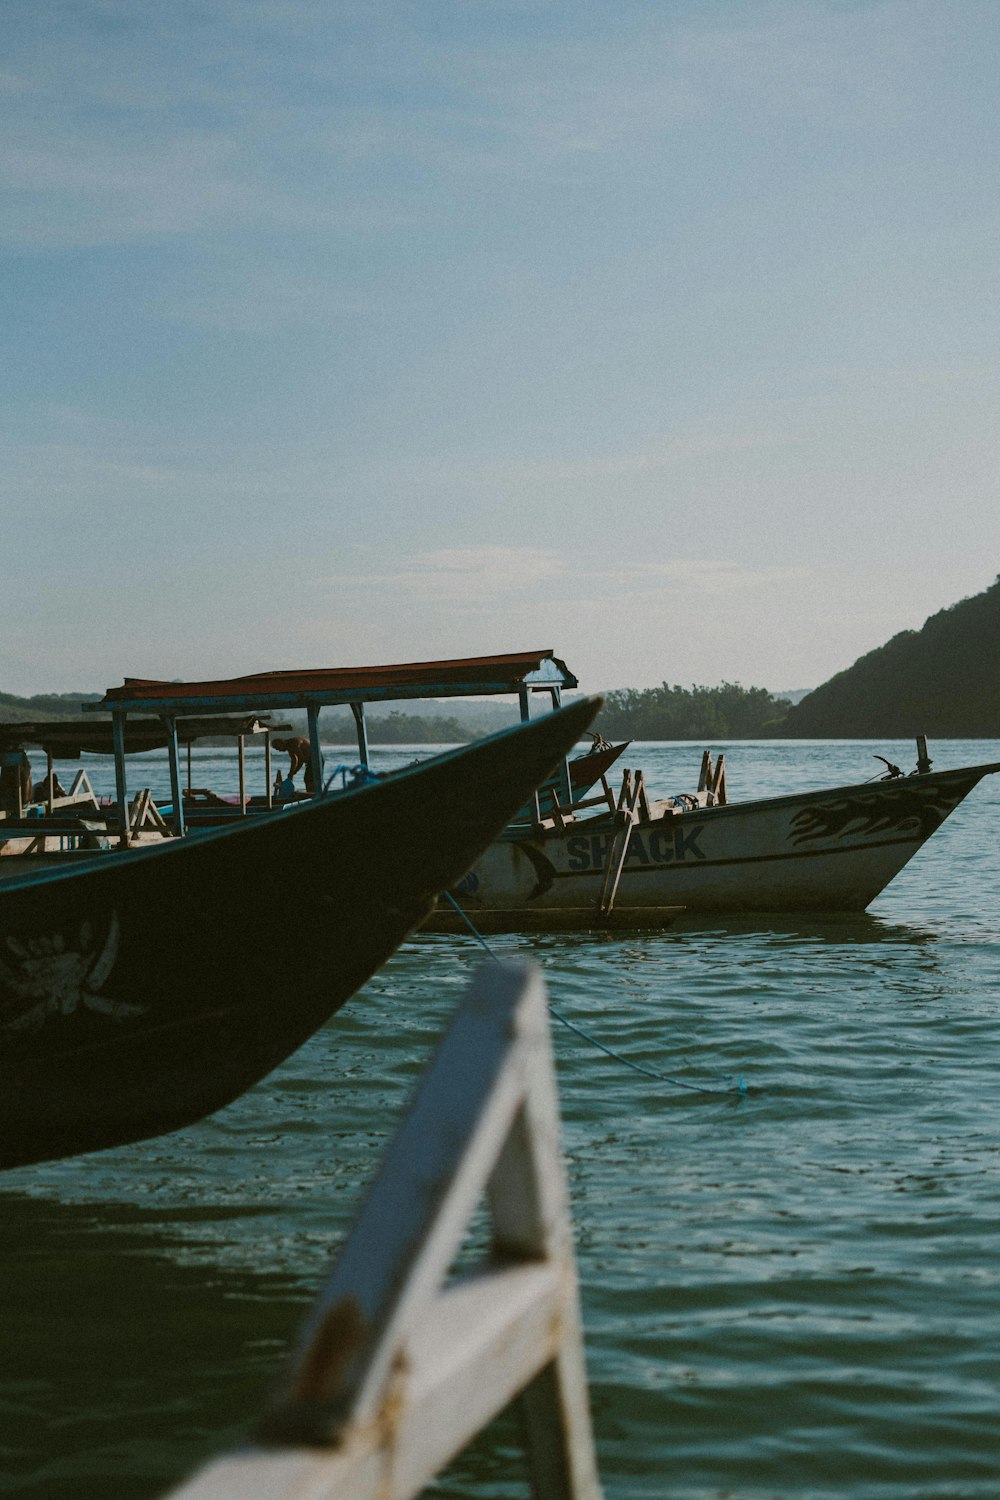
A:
738, 1088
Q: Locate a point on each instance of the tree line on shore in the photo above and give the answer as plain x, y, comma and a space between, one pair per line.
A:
668, 712
664, 713
671, 712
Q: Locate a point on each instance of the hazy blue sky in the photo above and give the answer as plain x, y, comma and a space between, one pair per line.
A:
660, 334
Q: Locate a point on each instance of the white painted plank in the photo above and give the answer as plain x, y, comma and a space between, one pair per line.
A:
397, 1371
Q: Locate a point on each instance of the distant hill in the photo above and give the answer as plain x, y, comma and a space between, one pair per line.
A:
43, 706
450, 721
792, 695
943, 680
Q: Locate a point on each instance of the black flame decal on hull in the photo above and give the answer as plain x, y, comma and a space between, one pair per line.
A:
908, 811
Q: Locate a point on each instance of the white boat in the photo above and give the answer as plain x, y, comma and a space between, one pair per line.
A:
828, 850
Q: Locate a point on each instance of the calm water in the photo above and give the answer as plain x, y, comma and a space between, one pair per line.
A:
792, 1295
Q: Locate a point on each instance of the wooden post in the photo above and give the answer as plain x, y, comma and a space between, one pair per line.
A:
358, 710
400, 1364
242, 744
139, 812
630, 800
50, 795
121, 786
315, 752
618, 847
719, 782
174, 758
13, 798
269, 790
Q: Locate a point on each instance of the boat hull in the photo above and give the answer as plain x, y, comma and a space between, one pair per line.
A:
832, 850
150, 988
587, 769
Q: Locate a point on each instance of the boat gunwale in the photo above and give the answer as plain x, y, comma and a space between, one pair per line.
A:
116, 858
525, 833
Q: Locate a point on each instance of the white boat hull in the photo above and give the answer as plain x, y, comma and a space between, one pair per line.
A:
832, 850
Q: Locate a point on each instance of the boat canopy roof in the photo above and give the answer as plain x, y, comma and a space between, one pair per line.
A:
473, 676
64, 739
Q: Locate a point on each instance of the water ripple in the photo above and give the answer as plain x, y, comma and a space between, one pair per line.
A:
792, 1294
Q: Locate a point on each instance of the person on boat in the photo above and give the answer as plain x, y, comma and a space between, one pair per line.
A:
44, 790
299, 754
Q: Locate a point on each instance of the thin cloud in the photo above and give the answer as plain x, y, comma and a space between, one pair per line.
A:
465, 575
667, 453
100, 148
706, 577
459, 575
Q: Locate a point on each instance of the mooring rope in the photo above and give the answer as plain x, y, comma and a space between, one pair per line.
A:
739, 1088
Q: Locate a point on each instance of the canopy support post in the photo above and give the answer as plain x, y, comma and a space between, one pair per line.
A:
269, 789
358, 710
174, 758
315, 753
10, 782
243, 774
121, 788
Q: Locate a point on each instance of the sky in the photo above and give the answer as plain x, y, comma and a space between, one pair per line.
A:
658, 333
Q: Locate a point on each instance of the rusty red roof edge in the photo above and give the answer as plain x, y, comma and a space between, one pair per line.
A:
493, 672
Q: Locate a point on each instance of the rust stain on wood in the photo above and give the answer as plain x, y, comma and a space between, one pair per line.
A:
338, 1340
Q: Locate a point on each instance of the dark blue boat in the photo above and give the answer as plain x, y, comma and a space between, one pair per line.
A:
148, 988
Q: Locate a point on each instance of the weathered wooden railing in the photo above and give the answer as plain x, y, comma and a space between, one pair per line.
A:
399, 1364
605, 798
61, 827
633, 807
80, 794
712, 782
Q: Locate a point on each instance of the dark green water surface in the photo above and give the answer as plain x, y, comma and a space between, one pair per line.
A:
790, 1295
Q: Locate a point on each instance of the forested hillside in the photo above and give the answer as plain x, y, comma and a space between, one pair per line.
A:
941, 680
14, 710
